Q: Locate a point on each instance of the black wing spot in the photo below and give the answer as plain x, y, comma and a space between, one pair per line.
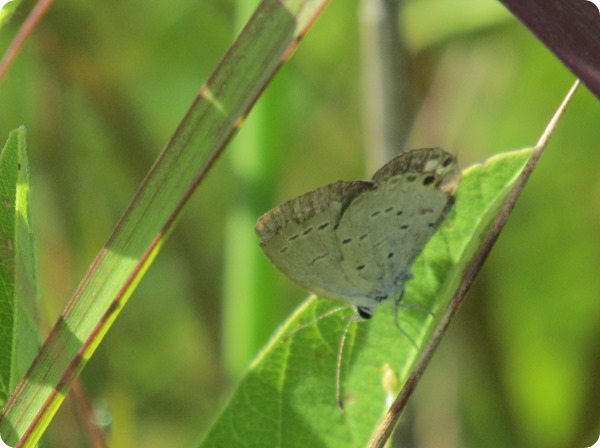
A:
360, 268
399, 212
389, 209
347, 240
323, 226
294, 237
283, 250
307, 231
404, 226
431, 224
391, 254
335, 227
447, 162
411, 178
363, 236
375, 214
428, 180
318, 258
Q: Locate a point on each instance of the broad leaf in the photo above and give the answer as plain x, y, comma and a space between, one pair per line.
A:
288, 396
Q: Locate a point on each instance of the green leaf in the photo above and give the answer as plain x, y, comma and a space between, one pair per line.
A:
288, 396
7, 9
18, 335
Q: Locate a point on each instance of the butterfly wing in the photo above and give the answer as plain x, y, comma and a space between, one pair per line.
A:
384, 230
299, 237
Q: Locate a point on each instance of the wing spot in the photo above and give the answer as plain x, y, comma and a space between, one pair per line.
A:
399, 212
323, 226
428, 180
389, 209
347, 240
431, 224
404, 226
294, 237
307, 231
360, 268
447, 162
318, 258
283, 250
375, 213
363, 236
423, 211
411, 178
391, 254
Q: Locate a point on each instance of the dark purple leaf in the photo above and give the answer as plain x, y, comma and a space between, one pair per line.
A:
570, 29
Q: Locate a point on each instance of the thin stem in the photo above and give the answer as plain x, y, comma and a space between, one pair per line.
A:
26, 29
385, 81
391, 419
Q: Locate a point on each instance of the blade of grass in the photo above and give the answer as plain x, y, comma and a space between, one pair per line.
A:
267, 40
476, 260
32, 21
19, 337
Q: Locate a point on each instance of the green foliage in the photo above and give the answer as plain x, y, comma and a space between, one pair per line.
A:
271, 33
18, 335
7, 9
102, 86
288, 397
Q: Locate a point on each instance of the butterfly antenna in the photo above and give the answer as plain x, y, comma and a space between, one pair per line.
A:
312, 321
338, 373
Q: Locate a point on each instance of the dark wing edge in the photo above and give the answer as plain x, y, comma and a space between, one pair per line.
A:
436, 161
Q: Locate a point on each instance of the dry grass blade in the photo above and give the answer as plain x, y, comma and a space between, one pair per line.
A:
388, 424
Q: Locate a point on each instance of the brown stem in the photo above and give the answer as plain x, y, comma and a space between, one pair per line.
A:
389, 422
26, 29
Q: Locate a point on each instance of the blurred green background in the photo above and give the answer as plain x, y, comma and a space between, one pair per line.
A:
101, 87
